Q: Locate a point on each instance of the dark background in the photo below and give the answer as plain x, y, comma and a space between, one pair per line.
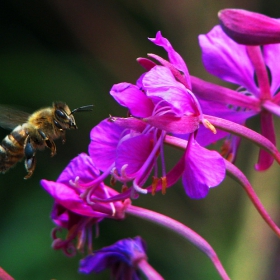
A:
74, 51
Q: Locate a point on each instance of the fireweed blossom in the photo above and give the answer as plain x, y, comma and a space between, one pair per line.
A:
72, 213
161, 103
214, 100
129, 147
255, 70
162, 109
122, 258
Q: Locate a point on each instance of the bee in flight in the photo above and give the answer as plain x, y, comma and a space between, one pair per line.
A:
32, 132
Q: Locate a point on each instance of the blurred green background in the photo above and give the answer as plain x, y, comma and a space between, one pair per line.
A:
74, 51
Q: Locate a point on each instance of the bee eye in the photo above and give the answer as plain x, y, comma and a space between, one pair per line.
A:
60, 114
57, 124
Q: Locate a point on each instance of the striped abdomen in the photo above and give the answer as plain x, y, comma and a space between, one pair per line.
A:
11, 148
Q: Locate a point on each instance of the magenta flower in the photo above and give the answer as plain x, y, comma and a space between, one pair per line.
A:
72, 212
158, 104
122, 258
255, 71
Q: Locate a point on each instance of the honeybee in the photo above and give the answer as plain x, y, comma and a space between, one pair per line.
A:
34, 132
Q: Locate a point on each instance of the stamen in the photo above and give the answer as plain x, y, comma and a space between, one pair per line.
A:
154, 184
80, 240
139, 189
75, 183
89, 240
113, 181
164, 185
113, 208
124, 188
123, 177
208, 125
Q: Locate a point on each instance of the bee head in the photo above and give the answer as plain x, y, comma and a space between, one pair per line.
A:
63, 118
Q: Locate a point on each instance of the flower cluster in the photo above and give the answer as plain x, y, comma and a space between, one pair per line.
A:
168, 106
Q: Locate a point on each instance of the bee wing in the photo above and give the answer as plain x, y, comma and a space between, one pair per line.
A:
11, 117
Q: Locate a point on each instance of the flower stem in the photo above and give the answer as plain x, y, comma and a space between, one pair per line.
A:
182, 230
149, 271
4, 275
245, 132
237, 175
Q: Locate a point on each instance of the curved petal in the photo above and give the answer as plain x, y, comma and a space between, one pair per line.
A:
134, 152
69, 198
160, 83
60, 215
81, 166
226, 59
203, 169
105, 138
173, 56
124, 253
269, 53
133, 98
98, 261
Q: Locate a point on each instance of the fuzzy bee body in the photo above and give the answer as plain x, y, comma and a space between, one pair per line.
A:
12, 148
37, 131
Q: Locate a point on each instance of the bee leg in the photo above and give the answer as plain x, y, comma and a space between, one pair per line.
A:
30, 161
49, 143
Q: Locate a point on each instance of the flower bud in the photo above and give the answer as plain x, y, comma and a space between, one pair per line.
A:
249, 28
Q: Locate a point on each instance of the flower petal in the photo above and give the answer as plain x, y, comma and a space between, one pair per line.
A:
104, 141
133, 98
269, 53
203, 169
226, 59
121, 258
160, 83
81, 166
133, 152
69, 198
173, 56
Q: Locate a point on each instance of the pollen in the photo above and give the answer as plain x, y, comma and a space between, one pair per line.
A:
210, 126
124, 188
164, 184
154, 185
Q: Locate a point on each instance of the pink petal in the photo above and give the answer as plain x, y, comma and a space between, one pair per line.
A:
226, 59
160, 83
69, 198
133, 98
173, 56
203, 169
105, 138
134, 152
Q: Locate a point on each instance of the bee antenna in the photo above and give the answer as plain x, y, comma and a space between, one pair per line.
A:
82, 109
